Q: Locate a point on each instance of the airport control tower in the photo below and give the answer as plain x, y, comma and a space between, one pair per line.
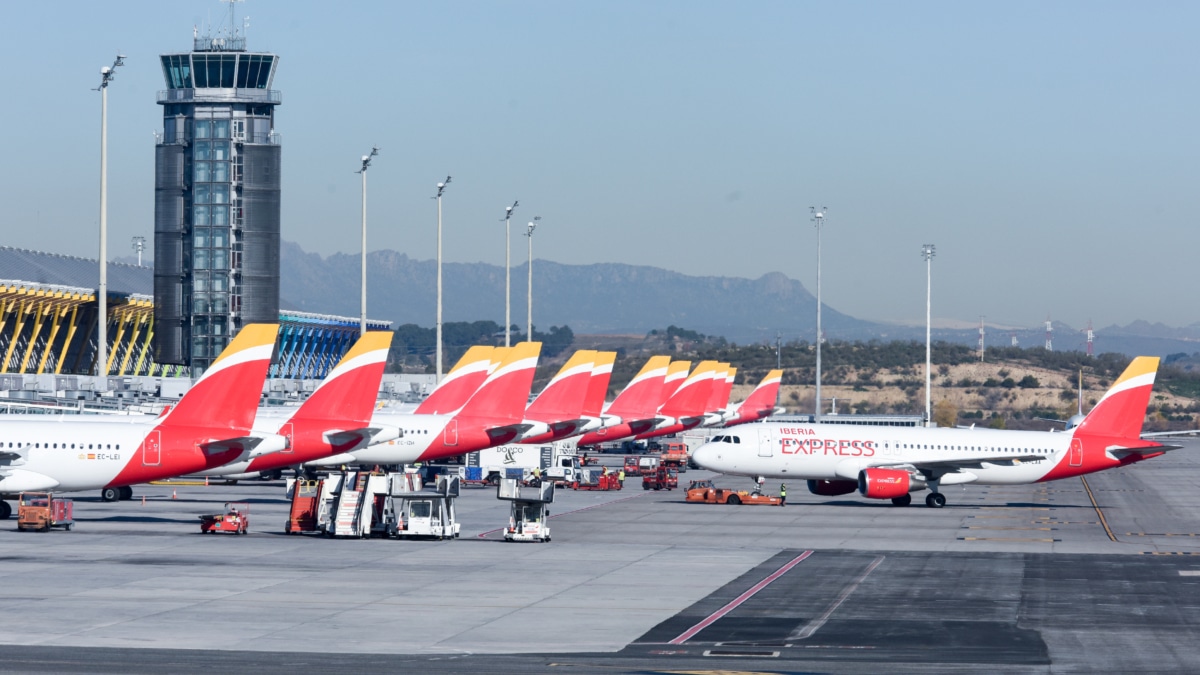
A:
216, 199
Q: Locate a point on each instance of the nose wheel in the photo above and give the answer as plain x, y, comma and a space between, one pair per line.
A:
935, 500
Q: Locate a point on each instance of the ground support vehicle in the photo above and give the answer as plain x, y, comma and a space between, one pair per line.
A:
703, 491
424, 514
40, 511
305, 495
555, 460
674, 455
529, 514
662, 479
631, 466
646, 466
596, 479
235, 520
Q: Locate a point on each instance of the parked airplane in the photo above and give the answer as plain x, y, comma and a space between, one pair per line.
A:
559, 411
463, 380
760, 403
334, 419
210, 426
494, 415
635, 409
718, 409
892, 462
686, 408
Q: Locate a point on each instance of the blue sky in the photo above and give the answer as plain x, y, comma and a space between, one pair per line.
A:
1048, 150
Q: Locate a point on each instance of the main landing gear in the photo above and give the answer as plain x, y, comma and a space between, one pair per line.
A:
5, 510
902, 501
935, 500
112, 494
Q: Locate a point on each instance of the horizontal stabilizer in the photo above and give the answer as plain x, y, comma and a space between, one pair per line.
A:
364, 436
251, 446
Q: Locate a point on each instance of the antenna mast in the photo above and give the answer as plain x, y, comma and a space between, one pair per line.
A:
1049, 334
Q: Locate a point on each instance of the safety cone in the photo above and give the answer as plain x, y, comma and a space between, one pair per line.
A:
143, 500
206, 481
173, 496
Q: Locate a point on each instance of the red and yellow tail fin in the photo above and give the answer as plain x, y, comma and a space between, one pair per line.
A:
692, 396
602, 368
677, 372
348, 393
458, 385
227, 395
642, 396
563, 397
1123, 409
502, 398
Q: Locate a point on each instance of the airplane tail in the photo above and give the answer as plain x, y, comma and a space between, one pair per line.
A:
642, 396
228, 393
722, 385
762, 400
602, 368
504, 395
692, 396
460, 383
563, 397
349, 392
677, 372
1122, 410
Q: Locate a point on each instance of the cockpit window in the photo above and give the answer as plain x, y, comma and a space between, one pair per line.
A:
719, 439
736, 439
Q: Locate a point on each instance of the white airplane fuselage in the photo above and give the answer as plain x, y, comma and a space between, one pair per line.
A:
839, 452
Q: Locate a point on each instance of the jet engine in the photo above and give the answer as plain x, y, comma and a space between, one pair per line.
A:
832, 488
883, 483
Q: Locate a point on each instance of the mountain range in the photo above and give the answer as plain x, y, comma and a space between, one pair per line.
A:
614, 298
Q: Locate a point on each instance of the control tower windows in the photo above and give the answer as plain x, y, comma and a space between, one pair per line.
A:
177, 69
214, 71
254, 71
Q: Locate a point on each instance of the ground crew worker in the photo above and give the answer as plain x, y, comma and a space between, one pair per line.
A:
621, 477
783, 494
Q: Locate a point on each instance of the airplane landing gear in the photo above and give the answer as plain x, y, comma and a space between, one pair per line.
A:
126, 493
110, 494
5, 510
758, 484
902, 501
935, 500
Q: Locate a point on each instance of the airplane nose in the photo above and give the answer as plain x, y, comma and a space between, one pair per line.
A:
705, 456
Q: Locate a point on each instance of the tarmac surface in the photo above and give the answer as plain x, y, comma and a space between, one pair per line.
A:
1095, 575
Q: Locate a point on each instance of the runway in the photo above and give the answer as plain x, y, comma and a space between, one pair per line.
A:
1016, 578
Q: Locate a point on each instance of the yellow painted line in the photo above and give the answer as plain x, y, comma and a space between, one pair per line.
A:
1048, 541
1103, 520
1161, 534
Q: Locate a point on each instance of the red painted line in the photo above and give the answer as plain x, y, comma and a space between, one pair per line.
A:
483, 535
712, 618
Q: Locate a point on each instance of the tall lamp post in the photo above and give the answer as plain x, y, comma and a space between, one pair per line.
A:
927, 252
139, 245
818, 217
529, 287
508, 273
441, 187
366, 164
107, 73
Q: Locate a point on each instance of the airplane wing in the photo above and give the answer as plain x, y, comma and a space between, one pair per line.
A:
10, 459
365, 436
939, 467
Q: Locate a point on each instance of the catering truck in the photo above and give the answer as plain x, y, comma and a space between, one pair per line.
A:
557, 461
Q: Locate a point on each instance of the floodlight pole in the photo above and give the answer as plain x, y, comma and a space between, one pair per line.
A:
106, 75
441, 187
508, 273
366, 164
529, 299
927, 252
818, 217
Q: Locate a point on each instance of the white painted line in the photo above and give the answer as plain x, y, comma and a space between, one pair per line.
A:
691, 632
1189, 573
815, 625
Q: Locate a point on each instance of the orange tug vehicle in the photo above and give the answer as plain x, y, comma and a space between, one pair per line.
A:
663, 478
703, 491
40, 511
235, 520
